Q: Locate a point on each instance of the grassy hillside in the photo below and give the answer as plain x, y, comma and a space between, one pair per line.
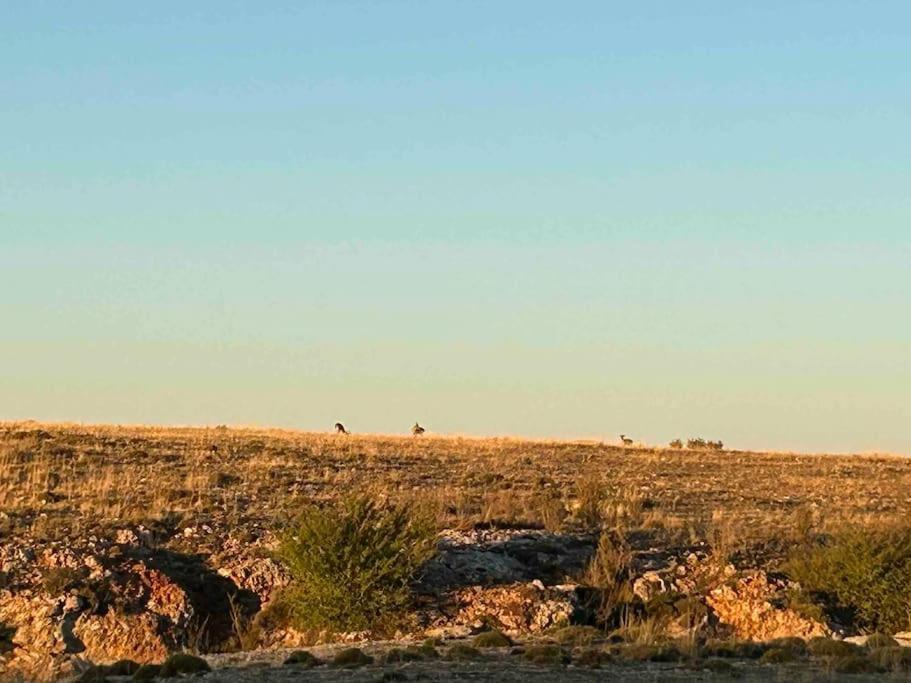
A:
56, 480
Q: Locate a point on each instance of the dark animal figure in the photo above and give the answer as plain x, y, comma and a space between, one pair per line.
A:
417, 430
340, 428
626, 440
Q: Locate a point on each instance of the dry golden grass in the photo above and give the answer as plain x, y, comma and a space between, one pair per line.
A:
60, 479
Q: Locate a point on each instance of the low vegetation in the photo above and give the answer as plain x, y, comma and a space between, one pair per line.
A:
861, 576
352, 562
832, 523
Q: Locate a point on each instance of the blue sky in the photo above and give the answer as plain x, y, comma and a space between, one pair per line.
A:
525, 218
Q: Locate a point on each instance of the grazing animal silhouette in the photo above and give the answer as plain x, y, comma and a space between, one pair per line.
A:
417, 430
340, 428
626, 440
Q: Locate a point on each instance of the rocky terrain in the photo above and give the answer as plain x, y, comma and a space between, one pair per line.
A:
139, 543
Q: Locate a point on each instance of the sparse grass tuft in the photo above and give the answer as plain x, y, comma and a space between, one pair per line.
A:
545, 655
575, 636
893, 658
877, 640
461, 651
855, 664
827, 647
492, 639
352, 562
733, 649
302, 658
796, 645
147, 672
183, 663
593, 657
778, 655
351, 658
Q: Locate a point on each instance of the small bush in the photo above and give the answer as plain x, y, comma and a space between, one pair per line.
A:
593, 657
352, 563
60, 579
877, 640
461, 651
428, 648
94, 674
676, 443
827, 647
183, 663
408, 654
733, 649
892, 658
492, 639
609, 573
861, 575
700, 444
643, 652
351, 658
544, 655
796, 645
778, 655
575, 636
302, 658
147, 672
855, 664
718, 666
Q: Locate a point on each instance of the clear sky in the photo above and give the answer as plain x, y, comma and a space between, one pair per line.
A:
549, 219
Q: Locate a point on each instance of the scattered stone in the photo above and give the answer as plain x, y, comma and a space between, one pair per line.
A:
751, 608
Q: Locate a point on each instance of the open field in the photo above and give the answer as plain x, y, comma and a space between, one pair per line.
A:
107, 532
59, 479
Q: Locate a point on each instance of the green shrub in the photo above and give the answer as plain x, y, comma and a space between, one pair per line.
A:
428, 648
676, 443
58, 580
794, 644
302, 658
147, 672
183, 663
577, 636
643, 652
733, 649
352, 563
892, 658
778, 655
122, 667
94, 674
546, 655
877, 640
860, 574
408, 654
718, 666
827, 647
593, 657
491, 639
461, 651
351, 658
855, 664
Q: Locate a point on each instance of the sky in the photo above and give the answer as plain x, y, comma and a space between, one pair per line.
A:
546, 219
